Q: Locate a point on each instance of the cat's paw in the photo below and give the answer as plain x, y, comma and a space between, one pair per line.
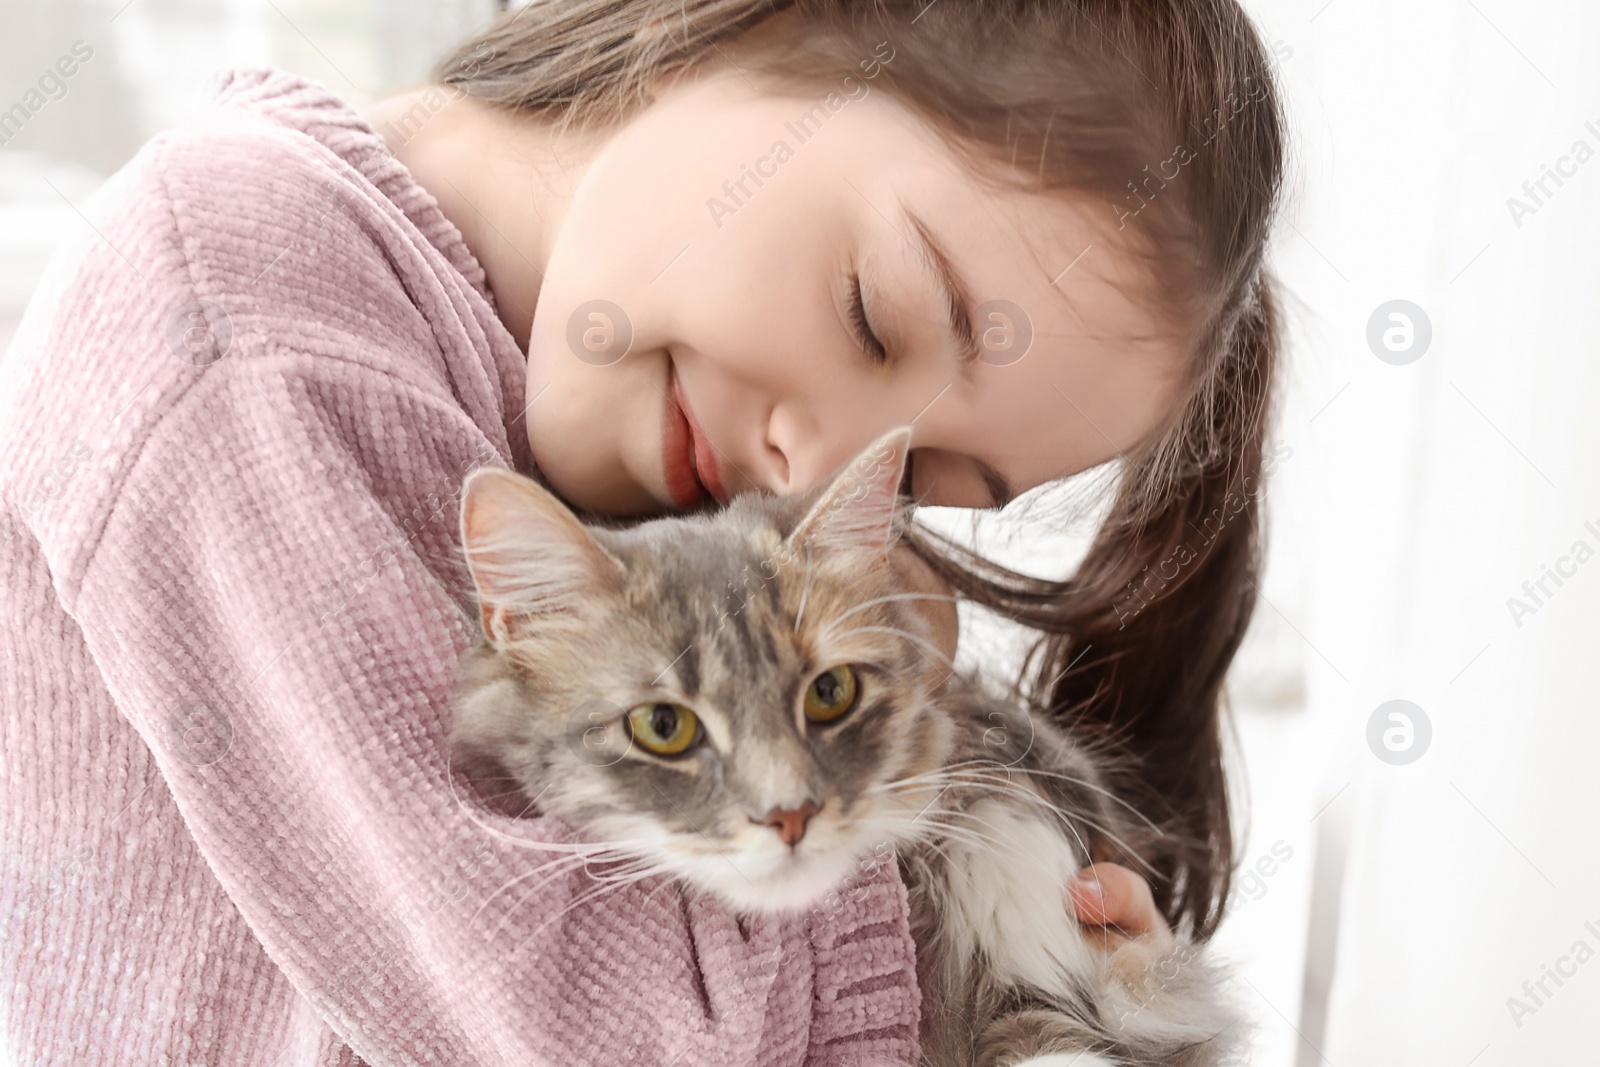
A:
1132, 962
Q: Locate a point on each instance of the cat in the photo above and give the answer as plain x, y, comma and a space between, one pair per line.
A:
754, 699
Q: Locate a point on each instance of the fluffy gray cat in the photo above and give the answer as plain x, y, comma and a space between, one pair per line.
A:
754, 700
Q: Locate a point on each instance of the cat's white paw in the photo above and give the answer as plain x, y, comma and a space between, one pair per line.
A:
1066, 1059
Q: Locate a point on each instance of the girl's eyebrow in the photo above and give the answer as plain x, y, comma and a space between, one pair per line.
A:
959, 323
999, 489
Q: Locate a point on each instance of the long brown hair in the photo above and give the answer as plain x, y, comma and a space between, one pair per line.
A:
1164, 114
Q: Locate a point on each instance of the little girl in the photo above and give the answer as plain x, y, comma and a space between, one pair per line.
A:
655, 253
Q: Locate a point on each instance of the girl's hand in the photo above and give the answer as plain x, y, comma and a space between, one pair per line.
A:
1114, 905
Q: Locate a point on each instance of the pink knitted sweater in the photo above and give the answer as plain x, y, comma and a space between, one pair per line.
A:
234, 422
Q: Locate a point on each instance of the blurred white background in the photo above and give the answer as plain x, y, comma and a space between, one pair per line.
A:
1430, 912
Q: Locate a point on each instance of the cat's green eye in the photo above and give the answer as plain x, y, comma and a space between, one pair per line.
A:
665, 729
831, 694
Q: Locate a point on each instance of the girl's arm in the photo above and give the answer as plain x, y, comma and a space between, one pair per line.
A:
274, 605
236, 426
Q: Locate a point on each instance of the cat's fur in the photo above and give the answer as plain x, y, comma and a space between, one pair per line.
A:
989, 810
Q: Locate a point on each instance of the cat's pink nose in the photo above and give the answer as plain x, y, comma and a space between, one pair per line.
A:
791, 822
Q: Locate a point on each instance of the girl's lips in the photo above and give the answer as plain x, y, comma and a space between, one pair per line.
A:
677, 450
704, 457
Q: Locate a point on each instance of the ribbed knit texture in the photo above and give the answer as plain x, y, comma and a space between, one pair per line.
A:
230, 618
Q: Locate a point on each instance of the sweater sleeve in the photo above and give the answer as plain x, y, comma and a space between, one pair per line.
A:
276, 607
254, 536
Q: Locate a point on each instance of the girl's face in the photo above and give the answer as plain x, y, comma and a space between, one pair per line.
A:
706, 262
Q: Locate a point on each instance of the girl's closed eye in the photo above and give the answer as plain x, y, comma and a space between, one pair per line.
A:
874, 348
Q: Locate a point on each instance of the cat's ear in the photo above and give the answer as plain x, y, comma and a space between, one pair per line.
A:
861, 508
528, 553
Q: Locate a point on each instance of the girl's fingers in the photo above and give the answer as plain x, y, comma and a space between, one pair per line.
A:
1107, 894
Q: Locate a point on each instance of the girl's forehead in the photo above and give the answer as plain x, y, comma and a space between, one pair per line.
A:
1072, 364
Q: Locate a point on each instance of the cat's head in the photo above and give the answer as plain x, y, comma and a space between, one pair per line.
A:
744, 697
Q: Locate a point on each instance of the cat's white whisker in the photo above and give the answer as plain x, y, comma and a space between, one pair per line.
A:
1102, 790
554, 869
1071, 819
628, 867
1073, 779
996, 783
570, 863
589, 895
967, 813
916, 639
805, 589
875, 601
633, 876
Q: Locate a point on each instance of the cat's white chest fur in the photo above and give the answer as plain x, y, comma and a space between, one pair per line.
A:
1008, 894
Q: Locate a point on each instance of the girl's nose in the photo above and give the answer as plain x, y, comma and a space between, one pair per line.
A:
802, 451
